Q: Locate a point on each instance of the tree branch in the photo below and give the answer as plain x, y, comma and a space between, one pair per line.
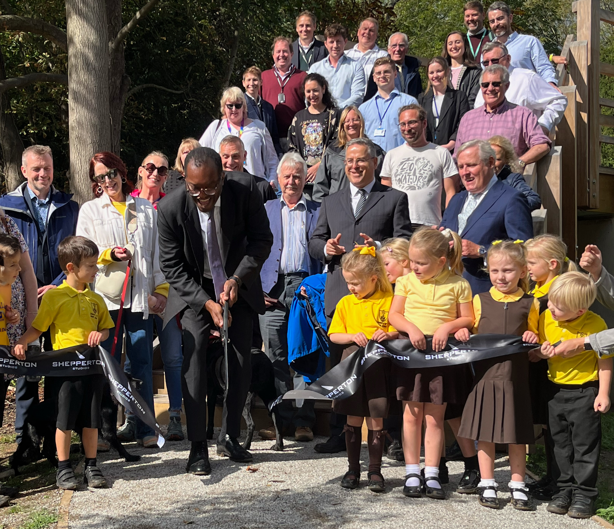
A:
123, 33
150, 85
31, 78
33, 25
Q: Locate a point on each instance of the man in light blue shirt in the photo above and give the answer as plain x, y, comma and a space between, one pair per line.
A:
381, 111
346, 77
526, 51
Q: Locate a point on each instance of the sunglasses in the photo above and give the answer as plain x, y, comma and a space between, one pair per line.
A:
150, 168
491, 61
195, 193
495, 84
110, 174
237, 106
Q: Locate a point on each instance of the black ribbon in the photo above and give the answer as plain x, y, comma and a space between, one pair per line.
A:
344, 379
77, 362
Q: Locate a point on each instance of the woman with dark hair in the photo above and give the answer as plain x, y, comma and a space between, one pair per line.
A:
464, 73
444, 106
125, 229
314, 128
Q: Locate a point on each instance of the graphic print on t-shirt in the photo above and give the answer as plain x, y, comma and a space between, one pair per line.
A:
313, 136
414, 173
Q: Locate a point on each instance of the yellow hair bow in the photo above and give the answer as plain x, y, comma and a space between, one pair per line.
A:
494, 243
566, 259
366, 250
518, 241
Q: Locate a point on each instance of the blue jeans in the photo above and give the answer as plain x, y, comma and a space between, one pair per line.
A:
172, 358
139, 350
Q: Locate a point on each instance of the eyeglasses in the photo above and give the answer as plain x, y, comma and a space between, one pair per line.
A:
150, 168
237, 106
110, 175
495, 84
491, 61
196, 192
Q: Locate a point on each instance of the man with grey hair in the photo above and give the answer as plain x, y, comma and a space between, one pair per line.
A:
408, 79
366, 212
526, 88
500, 117
292, 219
366, 52
526, 51
486, 211
44, 216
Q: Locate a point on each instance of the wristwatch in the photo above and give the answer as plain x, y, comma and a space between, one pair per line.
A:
587, 345
522, 163
482, 251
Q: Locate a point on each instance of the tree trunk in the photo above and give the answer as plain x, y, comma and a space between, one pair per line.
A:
10, 142
119, 82
89, 129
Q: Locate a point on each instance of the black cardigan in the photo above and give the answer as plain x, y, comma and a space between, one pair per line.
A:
453, 108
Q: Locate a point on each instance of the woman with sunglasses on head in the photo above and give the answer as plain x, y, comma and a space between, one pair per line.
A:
464, 73
125, 230
153, 173
261, 156
330, 177
176, 175
444, 106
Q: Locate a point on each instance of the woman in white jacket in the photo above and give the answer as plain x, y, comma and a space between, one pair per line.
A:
125, 228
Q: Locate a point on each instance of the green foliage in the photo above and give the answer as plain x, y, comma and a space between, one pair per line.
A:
8, 439
40, 520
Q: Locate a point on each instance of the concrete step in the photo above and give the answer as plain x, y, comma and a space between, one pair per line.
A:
159, 382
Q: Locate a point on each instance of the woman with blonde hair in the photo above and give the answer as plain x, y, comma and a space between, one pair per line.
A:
508, 170
177, 174
330, 177
261, 156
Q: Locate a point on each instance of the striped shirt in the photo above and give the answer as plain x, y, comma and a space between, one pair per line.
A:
294, 254
514, 122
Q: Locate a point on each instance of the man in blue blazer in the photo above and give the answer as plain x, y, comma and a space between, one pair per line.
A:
488, 210
292, 219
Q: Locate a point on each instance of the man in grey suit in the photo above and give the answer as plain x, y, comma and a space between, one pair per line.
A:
366, 212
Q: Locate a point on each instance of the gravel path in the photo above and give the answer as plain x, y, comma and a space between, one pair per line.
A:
297, 488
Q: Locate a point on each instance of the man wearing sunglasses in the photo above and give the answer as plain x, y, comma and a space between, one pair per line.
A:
214, 239
500, 117
527, 89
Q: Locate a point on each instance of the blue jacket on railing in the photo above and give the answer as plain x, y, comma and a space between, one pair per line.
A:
307, 342
61, 222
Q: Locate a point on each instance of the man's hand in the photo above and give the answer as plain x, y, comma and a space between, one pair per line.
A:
230, 293
157, 303
602, 403
368, 241
530, 337
333, 247
44, 289
94, 338
591, 261
217, 313
360, 339
12, 316
570, 348
311, 173
470, 249
19, 351
462, 335
269, 302
122, 254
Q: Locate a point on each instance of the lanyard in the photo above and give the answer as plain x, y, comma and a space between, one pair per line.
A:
381, 118
306, 57
277, 76
240, 130
477, 50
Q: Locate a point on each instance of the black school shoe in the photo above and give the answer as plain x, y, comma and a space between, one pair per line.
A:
581, 507
560, 504
468, 483
395, 451
350, 480
92, 477
520, 504
433, 492
334, 445
415, 491
376, 485
484, 501
65, 479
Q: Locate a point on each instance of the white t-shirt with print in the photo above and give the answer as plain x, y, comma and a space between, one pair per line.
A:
419, 172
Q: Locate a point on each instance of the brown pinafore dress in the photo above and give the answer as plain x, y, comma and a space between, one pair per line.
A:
498, 409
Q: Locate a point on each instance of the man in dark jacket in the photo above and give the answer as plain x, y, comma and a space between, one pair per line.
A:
307, 50
408, 79
44, 217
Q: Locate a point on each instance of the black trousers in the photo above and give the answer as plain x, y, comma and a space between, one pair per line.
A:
576, 431
196, 328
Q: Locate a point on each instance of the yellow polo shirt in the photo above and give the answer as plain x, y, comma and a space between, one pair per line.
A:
540, 292
4, 338
533, 321
578, 369
71, 315
353, 315
433, 302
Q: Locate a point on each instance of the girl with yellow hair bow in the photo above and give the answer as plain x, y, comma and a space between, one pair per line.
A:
360, 317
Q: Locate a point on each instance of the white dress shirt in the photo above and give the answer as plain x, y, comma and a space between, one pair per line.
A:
472, 202
366, 59
203, 217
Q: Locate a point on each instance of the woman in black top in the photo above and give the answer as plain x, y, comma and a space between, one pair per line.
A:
444, 106
464, 73
314, 128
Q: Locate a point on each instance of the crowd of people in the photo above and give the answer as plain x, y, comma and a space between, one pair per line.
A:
412, 207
